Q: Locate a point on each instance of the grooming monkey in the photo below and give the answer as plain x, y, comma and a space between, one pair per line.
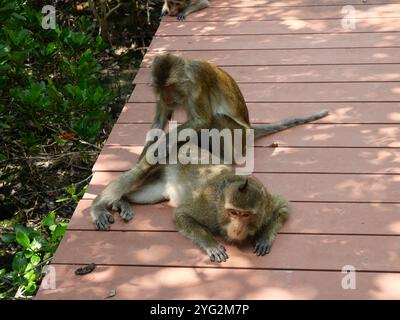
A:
208, 199
182, 8
209, 95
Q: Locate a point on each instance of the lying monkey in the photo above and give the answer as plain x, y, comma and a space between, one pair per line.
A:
182, 8
208, 199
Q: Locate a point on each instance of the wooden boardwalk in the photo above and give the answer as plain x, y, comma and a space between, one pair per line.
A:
342, 173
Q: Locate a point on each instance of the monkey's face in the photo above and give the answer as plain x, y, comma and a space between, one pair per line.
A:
176, 6
244, 209
172, 95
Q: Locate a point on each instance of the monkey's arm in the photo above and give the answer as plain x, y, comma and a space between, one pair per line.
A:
265, 237
161, 117
190, 228
198, 5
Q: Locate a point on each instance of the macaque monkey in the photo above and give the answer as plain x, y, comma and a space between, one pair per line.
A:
209, 95
182, 8
208, 199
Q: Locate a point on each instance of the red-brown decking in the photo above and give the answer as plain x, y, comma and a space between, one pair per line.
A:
342, 173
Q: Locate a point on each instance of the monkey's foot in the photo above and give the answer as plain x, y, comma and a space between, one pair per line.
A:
217, 253
124, 208
262, 247
103, 221
180, 16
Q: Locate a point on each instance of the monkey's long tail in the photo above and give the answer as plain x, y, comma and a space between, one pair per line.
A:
267, 129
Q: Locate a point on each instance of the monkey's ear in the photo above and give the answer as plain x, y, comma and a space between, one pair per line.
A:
244, 185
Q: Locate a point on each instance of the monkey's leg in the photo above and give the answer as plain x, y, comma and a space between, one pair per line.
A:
191, 229
265, 237
198, 5
165, 9
149, 193
113, 193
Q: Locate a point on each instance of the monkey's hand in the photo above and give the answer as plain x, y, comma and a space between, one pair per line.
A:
262, 246
124, 208
181, 16
217, 253
103, 220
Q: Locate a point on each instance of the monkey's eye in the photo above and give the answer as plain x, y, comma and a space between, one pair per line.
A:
233, 212
245, 214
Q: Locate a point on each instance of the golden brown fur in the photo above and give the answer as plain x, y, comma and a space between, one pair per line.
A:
182, 8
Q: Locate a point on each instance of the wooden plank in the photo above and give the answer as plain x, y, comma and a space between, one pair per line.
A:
315, 218
264, 112
293, 26
306, 187
286, 57
289, 13
300, 160
282, 41
205, 283
290, 251
302, 92
292, 3
309, 135
324, 73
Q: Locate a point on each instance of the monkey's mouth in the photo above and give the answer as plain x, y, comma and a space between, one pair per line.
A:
236, 234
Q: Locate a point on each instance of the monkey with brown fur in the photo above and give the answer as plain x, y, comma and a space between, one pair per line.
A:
210, 97
208, 199
182, 8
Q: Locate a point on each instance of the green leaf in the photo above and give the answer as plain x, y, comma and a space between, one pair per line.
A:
59, 231
71, 189
19, 262
23, 239
8, 238
30, 288
30, 232
35, 245
50, 219
35, 259
62, 199
51, 49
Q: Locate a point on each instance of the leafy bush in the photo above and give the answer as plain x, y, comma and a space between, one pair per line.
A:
51, 97
35, 247
49, 80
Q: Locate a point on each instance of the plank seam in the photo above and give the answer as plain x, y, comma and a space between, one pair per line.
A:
223, 267
285, 233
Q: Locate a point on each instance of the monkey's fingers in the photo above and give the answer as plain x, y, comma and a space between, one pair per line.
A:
217, 254
104, 220
124, 208
262, 247
181, 17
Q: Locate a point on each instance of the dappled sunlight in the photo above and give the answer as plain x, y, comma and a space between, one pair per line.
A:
389, 136
395, 227
153, 254
357, 189
387, 286
318, 137
276, 293
395, 116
